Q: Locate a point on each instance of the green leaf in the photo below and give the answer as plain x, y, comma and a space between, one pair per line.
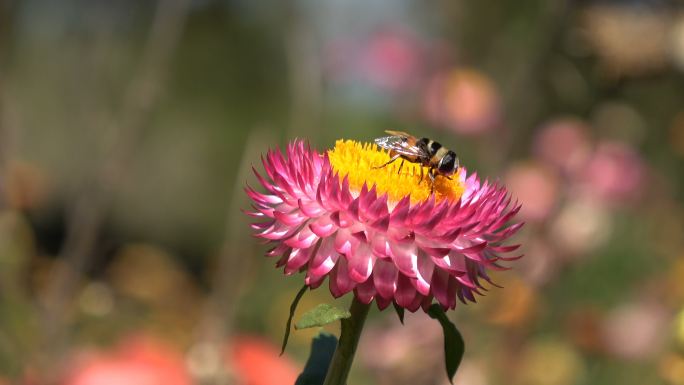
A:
293, 307
321, 315
453, 341
322, 350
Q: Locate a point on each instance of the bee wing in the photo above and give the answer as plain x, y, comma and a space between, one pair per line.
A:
399, 133
400, 145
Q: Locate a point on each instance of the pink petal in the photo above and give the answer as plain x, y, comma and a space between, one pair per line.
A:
278, 250
415, 304
381, 246
345, 196
378, 208
465, 280
474, 249
450, 236
345, 242
278, 231
263, 198
400, 212
385, 277
425, 269
440, 285
366, 197
405, 257
310, 208
435, 218
382, 302
342, 219
353, 210
260, 226
325, 258
453, 262
313, 281
297, 259
361, 263
504, 249
365, 291
405, 293
292, 218
304, 239
268, 186
322, 226
507, 232
340, 283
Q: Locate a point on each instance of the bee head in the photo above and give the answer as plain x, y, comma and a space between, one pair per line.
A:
448, 164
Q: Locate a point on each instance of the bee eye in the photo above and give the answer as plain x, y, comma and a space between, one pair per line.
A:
447, 163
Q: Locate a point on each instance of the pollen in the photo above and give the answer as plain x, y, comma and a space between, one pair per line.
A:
361, 162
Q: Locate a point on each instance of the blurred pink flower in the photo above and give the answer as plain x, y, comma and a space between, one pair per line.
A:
463, 100
138, 360
563, 143
323, 219
615, 173
637, 330
537, 188
581, 226
258, 362
392, 59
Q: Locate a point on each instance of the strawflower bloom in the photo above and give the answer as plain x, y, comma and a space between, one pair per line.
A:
379, 232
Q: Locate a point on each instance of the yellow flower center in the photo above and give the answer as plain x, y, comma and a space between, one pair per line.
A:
360, 162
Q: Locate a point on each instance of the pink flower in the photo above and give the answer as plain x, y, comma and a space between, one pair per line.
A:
615, 173
636, 330
536, 186
463, 100
392, 60
379, 232
564, 143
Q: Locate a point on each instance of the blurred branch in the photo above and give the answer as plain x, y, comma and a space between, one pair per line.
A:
232, 265
84, 222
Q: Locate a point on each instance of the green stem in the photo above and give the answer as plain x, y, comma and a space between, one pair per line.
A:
346, 347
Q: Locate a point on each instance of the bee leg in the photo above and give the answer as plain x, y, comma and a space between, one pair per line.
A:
400, 166
431, 174
395, 157
421, 175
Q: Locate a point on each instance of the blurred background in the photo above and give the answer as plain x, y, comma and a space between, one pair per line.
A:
127, 132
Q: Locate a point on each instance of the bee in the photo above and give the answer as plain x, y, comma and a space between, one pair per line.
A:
439, 160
